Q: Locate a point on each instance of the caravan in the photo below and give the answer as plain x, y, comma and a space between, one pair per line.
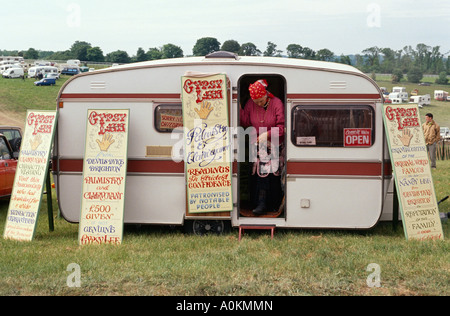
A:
329, 180
421, 100
33, 71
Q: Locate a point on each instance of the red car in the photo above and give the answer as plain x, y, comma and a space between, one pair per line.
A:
8, 164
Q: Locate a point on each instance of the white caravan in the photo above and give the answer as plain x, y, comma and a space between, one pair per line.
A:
33, 71
421, 100
326, 183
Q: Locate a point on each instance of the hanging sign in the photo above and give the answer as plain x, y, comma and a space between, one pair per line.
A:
104, 172
31, 172
207, 143
413, 180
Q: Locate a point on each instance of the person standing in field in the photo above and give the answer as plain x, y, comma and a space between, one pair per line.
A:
432, 135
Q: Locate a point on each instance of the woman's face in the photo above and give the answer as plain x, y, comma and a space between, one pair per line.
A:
261, 101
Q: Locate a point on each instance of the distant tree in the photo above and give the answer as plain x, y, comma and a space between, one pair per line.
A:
345, 60
325, 55
205, 46
272, 50
372, 58
171, 51
61, 55
119, 56
154, 53
79, 50
31, 53
442, 78
249, 49
294, 50
308, 53
397, 75
231, 46
95, 54
415, 74
141, 55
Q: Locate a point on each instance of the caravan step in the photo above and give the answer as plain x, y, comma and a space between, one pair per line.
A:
268, 227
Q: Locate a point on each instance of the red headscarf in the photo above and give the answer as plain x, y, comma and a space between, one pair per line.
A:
258, 89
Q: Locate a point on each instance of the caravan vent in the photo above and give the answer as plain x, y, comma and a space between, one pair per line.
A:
223, 54
338, 85
98, 85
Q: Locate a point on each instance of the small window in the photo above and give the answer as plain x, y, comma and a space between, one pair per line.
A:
325, 125
4, 150
168, 117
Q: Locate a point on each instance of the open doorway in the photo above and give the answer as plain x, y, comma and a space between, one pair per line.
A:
253, 187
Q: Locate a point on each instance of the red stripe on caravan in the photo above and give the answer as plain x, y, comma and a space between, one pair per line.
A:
335, 168
120, 96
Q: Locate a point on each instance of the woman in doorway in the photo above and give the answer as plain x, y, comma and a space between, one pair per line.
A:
265, 113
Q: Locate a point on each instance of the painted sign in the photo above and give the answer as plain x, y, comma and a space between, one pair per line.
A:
104, 172
207, 144
409, 157
31, 172
357, 137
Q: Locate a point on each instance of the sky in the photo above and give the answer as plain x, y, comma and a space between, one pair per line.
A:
342, 26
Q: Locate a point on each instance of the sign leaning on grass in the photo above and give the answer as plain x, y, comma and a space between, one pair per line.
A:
207, 143
413, 180
104, 173
31, 172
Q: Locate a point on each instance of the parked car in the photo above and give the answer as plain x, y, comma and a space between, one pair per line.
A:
52, 75
70, 71
8, 165
45, 82
445, 133
13, 134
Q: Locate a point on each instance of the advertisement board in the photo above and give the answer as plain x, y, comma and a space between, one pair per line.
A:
207, 139
411, 168
104, 177
31, 172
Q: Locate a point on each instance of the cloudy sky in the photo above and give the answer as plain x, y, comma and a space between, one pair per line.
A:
343, 26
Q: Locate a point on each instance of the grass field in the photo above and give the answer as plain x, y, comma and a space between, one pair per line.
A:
164, 261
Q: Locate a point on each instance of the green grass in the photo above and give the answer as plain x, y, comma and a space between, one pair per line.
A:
18, 95
164, 261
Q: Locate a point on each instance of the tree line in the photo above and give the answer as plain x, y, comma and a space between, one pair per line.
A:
408, 60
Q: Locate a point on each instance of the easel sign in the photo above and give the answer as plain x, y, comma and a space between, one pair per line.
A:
104, 175
207, 140
31, 173
413, 180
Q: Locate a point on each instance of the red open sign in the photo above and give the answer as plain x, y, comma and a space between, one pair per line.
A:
357, 137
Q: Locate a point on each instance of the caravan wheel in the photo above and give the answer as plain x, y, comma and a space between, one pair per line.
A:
204, 227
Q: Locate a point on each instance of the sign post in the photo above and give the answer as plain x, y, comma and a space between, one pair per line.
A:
104, 172
411, 168
31, 173
207, 143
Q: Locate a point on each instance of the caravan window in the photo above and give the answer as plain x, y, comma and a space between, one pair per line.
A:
168, 117
324, 125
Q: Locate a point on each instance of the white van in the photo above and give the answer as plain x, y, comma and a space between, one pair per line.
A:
16, 72
326, 183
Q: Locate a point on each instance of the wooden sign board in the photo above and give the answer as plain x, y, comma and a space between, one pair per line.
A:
104, 173
411, 167
31, 172
207, 143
